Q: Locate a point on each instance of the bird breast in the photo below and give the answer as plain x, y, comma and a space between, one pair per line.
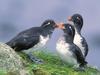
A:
62, 46
42, 41
78, 41
64, 51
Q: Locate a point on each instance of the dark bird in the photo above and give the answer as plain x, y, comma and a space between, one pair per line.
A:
34, 37
77, 21
67, 50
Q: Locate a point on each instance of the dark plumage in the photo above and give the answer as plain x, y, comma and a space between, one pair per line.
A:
33, 36
25, 39
68, 51
30, 37
79, 40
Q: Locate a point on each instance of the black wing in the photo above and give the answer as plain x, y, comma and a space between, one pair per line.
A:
85, 45
79, 55
25, 39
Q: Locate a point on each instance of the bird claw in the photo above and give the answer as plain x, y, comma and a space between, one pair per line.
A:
35, 59
82, 69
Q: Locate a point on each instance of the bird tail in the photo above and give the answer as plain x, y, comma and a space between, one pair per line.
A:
10, 44
83, 64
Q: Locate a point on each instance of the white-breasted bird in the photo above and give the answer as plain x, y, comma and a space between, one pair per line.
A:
67, 50
77, 21
33, 38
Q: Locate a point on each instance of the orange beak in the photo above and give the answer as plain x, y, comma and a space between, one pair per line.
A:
61, 26
69, 18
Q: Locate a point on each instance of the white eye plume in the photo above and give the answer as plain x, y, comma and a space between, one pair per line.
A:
48, 23
70, 27
78, 18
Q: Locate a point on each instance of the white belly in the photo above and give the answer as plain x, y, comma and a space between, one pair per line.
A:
64, 52
42, 42
78, 41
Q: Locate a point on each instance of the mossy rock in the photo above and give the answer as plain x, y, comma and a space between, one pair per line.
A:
10, 62
53, 65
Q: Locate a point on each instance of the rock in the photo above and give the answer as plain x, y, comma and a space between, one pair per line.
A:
10, 61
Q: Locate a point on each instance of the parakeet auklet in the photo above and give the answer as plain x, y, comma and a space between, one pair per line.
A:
33, 38
67, 50
77, 21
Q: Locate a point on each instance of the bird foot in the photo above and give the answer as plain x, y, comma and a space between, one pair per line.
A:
35, 59
82, 69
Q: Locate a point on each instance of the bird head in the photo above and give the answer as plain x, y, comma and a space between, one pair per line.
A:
77, 20
49, 24
67, 29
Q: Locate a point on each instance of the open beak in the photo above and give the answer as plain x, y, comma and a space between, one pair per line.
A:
61, 26
56, 25
69, 18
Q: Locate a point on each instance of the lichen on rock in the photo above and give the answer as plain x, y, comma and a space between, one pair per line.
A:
10, 61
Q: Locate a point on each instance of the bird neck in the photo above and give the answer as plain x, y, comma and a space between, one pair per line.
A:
77, 31
47, 31
68, 38
78, 28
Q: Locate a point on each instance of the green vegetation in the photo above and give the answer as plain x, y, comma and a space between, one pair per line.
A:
52, 66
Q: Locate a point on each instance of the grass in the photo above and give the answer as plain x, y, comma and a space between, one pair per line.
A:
53, 66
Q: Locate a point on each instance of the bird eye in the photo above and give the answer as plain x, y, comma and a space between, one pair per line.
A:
78, 18
70, 27
48, 23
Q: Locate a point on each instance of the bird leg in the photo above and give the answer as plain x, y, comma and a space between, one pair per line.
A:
35, 59
80, 68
